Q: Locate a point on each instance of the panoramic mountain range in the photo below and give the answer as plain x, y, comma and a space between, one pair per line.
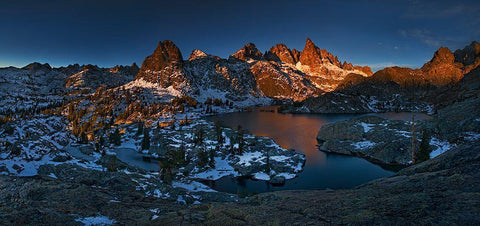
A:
249, 77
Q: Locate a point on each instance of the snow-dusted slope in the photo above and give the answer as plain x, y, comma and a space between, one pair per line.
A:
34, 86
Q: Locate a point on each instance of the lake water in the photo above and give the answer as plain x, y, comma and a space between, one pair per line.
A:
299, 131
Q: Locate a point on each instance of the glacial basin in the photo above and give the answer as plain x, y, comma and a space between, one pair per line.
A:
298, 131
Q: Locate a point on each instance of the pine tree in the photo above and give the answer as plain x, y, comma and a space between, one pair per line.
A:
146, 140
267, 166
203, 158
218, 132
83, 137
424, 149
112, 163
211, 156
115, 137
240, 140
199, 136
139, 128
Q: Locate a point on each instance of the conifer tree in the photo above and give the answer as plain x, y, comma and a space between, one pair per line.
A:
203, 158
115, 137
146, 140
139, 128
240, 140
218, 132
424, 149
211, 156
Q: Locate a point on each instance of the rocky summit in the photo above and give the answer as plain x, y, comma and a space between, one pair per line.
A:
279, 74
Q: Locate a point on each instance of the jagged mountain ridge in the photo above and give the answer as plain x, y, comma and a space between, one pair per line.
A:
280, 73
401, 89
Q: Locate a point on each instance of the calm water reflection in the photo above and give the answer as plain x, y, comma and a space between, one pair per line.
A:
298, 131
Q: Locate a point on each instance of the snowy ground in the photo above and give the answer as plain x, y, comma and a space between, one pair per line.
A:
440, 147
45, 140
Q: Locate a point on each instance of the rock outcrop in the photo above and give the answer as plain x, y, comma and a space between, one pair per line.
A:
197, 54
281, 53
164, 66
469, 56
442, 69
248, 52
319, 62
376, 139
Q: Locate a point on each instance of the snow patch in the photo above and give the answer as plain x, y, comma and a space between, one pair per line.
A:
441, 147
222, 168
261, 176
246, 158
366, 126
192, 186
363, 144
98, 220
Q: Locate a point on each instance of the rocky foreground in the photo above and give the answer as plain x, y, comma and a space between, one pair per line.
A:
439, 191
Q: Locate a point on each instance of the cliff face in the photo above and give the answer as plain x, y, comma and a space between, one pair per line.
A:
248, 52
469, 56
319, 62
442, 69
281, 53
164, 67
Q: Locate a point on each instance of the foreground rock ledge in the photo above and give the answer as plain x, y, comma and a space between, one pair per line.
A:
439, 191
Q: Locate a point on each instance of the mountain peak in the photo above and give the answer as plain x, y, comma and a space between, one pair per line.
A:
35, 66
442, 68
166, 56
197, 54
469, 55
309, 43
281, 53
248, 52
312, 56
443, 55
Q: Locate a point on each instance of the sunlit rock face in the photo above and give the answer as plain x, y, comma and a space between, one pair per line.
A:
284, 73
248, 52
164, 66
319, 62
442, 69
281, 53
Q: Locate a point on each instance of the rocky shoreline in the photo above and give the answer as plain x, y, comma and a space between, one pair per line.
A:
389, 142
374, 138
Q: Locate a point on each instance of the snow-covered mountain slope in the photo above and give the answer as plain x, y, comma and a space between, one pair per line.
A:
37, 86
32, 87
90, 77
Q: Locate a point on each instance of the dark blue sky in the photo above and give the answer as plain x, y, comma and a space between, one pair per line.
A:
107, 32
